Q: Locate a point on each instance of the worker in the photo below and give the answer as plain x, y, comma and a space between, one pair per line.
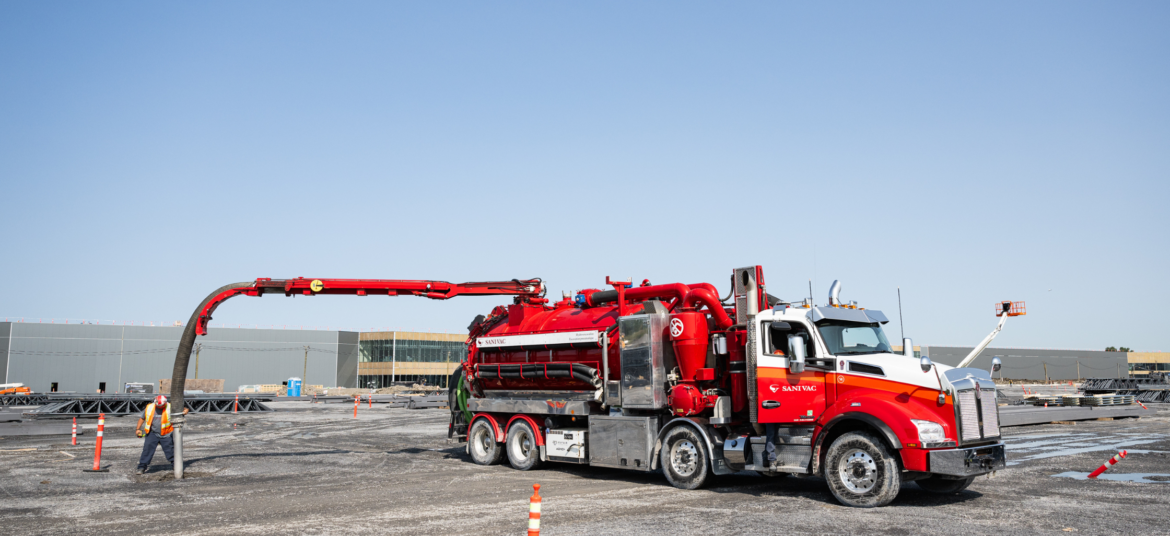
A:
771, 429
157, 418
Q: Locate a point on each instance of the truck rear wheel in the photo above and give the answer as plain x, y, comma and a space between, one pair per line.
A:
481, 442
937, 484
523, 453
861, 471
684, 459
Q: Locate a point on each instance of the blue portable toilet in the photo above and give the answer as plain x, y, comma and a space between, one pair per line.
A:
294, 387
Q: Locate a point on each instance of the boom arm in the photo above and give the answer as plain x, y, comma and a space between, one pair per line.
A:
987, 340
528, 290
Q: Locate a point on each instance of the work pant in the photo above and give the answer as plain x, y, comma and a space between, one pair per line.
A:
770, 442
153, 440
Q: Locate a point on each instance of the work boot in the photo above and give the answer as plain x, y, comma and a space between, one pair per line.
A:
140, 470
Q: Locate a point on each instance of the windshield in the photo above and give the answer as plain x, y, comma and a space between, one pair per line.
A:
846, 338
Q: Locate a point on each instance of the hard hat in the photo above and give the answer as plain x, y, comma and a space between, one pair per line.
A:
160, 400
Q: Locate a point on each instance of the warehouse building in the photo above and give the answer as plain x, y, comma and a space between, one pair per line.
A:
1033, 364
87, 358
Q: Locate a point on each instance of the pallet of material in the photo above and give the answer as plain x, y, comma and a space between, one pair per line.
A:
1040, 400
1107, 400
1071, 400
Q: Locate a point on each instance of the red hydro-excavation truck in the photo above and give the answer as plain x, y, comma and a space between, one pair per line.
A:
666, 377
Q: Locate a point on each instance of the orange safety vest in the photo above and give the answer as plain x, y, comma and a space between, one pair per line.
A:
166, 419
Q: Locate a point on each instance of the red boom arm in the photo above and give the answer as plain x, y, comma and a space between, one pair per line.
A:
529, 290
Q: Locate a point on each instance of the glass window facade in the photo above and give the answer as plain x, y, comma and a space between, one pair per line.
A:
441, 354
412, 351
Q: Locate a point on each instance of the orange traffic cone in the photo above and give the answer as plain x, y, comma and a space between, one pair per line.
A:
534, 512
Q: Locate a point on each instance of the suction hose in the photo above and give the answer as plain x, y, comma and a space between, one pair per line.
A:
179, 376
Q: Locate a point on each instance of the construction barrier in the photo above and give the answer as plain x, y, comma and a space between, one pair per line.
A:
97, 451
1116, 458
534, 511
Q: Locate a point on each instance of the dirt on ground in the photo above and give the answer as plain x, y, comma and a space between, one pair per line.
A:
313, 468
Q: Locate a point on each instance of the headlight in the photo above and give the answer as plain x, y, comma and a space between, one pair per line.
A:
929, 431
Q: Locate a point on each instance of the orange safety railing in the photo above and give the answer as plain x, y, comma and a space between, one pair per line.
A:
1017, 308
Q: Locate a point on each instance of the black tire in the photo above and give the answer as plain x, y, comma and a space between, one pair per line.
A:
521, 447
481, 443
861, 471
684, 459
937, 484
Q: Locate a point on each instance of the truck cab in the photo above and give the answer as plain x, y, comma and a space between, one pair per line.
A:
872, 417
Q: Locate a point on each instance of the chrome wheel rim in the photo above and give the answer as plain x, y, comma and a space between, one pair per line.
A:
858, 471
482, 441
522, 444
684, 458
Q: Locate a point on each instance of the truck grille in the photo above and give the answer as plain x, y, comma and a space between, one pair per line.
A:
968, 416
977, 414
990, 413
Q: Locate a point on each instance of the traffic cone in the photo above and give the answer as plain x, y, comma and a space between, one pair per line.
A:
236, 406
1109, 463
355, 404
534, 511
75, 431
97, 451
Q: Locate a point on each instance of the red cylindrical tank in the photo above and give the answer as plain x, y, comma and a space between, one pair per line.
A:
689, 335
686, 400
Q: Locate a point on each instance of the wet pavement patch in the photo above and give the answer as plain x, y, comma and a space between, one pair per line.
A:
1145, 478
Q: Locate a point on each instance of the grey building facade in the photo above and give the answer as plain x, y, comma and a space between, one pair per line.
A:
81, 358
1038, 364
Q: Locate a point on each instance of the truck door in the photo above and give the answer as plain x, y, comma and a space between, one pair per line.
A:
783, 397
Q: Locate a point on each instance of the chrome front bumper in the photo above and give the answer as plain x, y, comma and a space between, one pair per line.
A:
968, 462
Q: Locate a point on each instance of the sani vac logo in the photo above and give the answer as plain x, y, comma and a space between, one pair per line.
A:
792, 388
676, 327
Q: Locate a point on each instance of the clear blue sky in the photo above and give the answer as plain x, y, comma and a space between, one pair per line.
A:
966, 153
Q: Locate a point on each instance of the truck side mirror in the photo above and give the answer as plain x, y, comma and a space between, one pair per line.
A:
795, 354
925, 363
996, 364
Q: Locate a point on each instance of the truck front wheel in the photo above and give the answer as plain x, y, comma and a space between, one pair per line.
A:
684, 459
937, 484
861, 471
481, 442
523, 453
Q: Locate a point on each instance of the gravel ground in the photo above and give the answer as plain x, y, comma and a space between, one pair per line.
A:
313, 468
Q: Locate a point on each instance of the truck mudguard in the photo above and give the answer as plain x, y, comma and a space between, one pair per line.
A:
882, 428
531, 422
714, 451
495, 425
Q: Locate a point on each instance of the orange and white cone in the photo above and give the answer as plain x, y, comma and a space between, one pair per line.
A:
97, 451
1109, 463
534, 511
356, 399
75, 430
236, 406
